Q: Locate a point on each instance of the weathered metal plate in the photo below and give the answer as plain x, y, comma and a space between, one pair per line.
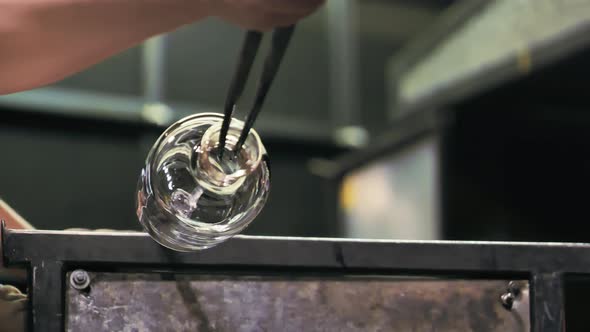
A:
151, 302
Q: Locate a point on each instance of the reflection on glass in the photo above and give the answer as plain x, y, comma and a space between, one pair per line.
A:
190, 199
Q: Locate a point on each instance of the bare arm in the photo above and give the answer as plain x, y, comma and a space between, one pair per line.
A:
43, 41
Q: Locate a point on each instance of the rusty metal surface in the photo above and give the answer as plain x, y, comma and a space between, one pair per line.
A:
151, 302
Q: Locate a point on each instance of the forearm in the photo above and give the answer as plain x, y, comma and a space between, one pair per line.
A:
42, 41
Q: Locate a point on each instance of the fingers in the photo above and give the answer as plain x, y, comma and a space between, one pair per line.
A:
263, 21
296, 7
10, 293
13, 306
6, 290
17, 306
263, 15
18, 298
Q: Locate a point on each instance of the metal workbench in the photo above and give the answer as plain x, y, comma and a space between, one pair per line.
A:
126, 281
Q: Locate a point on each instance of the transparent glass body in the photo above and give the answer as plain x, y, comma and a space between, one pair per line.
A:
190, 199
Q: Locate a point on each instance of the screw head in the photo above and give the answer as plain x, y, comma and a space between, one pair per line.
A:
514, 288
507, 300
79, 279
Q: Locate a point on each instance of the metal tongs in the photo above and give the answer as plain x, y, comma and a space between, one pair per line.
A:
280, 41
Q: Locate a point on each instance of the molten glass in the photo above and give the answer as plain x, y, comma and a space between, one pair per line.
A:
188, 197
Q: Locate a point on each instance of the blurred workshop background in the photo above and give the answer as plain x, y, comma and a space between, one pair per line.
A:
424, 119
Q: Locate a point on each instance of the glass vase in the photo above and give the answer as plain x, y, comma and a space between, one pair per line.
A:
189, 198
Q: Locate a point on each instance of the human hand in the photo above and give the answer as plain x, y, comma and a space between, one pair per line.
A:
13, 306
262, 15
12, 220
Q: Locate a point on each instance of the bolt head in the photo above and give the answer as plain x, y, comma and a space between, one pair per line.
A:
79, 279
507, 300
514, 288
